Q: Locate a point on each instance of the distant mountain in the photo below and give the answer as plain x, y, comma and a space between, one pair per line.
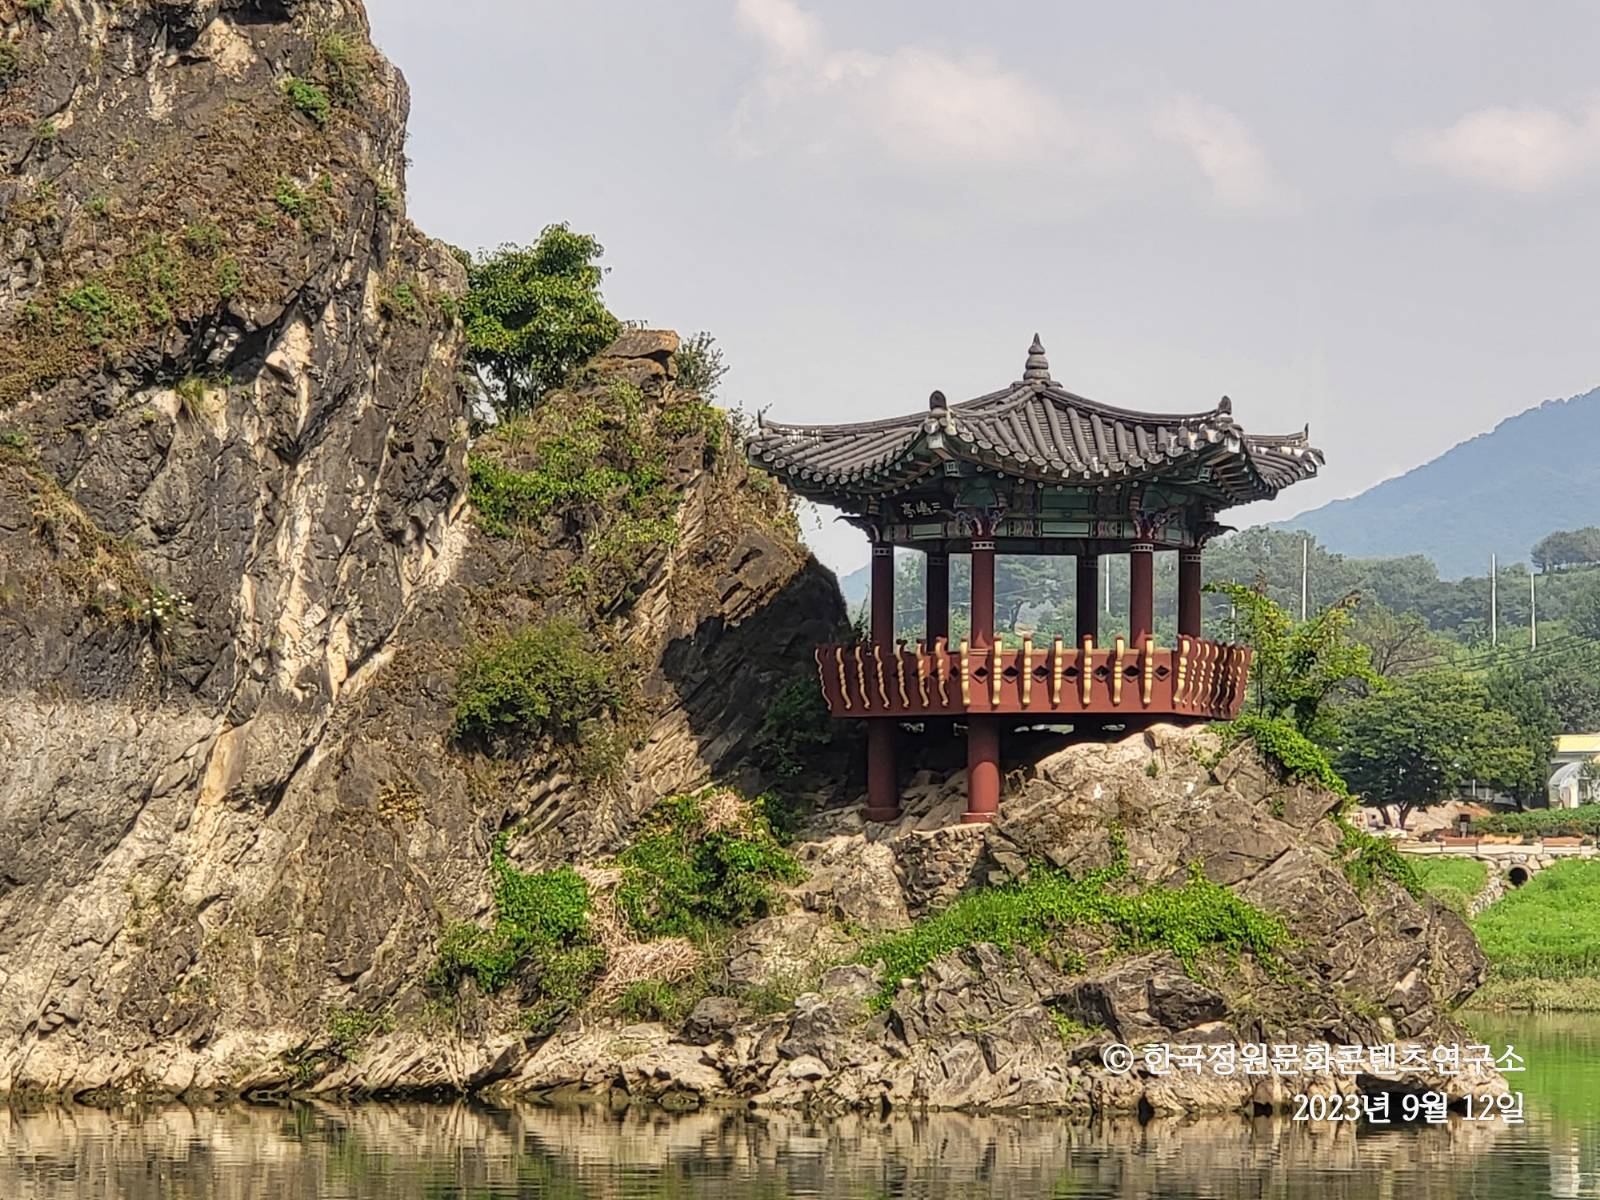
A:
856, 586
1502, 491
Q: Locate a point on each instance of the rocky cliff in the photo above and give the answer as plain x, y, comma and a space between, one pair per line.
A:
238, 567
1359, 961
305, 687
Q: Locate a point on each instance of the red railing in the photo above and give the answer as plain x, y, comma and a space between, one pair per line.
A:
1197, 678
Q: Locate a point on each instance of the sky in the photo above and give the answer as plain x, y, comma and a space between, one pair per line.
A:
1376, 218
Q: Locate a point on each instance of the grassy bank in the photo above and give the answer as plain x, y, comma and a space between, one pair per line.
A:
1543, 941
1454, 881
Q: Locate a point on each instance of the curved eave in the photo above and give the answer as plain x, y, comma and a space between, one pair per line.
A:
1239, 473
1040, 433
1284, 459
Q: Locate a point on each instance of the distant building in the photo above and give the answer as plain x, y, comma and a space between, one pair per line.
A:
1568, 788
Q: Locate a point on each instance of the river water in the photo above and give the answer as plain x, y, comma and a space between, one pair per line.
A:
380, 1151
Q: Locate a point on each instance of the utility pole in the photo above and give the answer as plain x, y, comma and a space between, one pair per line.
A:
1305, 561
1494, 603
1533, 613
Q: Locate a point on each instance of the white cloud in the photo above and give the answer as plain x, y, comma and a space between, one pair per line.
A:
916, 106
790, 33
1223, 148
937, 110
1525, 150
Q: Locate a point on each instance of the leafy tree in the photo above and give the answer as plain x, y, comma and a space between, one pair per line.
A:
533, 314
1584, 611
1417, 743
1568, 548
1571, 688
1299, 667
1401, 643
1516, 692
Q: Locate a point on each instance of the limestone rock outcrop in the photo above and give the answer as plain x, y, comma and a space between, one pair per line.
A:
238, 566
239, 575
985, 1029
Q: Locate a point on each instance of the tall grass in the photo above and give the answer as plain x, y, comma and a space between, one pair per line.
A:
1549, 928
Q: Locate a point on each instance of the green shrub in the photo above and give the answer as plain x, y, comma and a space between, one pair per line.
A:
1070, 1032
796, 725
308, 98
653, 1000
10, 62
1583, 821
581, 460
349, 1029
229, 278
102, 314
602, 749
506, 499
288, 196
542, 679
1366, 859
540, 939
564, 980
203, 238
688, 417
344, 63
1186, 921
191, 391
1280, 742
704, 861
39, 8
700, 366
598, 465
401, 302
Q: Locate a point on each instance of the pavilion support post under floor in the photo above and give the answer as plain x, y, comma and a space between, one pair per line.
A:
983, 769
883, 796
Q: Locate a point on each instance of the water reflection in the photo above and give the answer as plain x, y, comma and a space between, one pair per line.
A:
380, 1151
461, 1151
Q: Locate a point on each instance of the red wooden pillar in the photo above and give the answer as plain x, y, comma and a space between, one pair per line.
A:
1141, 592
883, 796
1088, 596
982, 593
1189, 579
883, 595
938, 602
983, 729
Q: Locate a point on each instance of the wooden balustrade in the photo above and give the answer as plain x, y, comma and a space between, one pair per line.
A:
1197, 678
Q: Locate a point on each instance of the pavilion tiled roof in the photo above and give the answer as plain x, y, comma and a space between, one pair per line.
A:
1035, 429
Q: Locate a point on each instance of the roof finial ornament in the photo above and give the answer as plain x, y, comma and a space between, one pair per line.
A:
937, 402
1225, 405
1037, 369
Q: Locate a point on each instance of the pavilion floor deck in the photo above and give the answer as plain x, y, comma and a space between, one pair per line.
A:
1197, 679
